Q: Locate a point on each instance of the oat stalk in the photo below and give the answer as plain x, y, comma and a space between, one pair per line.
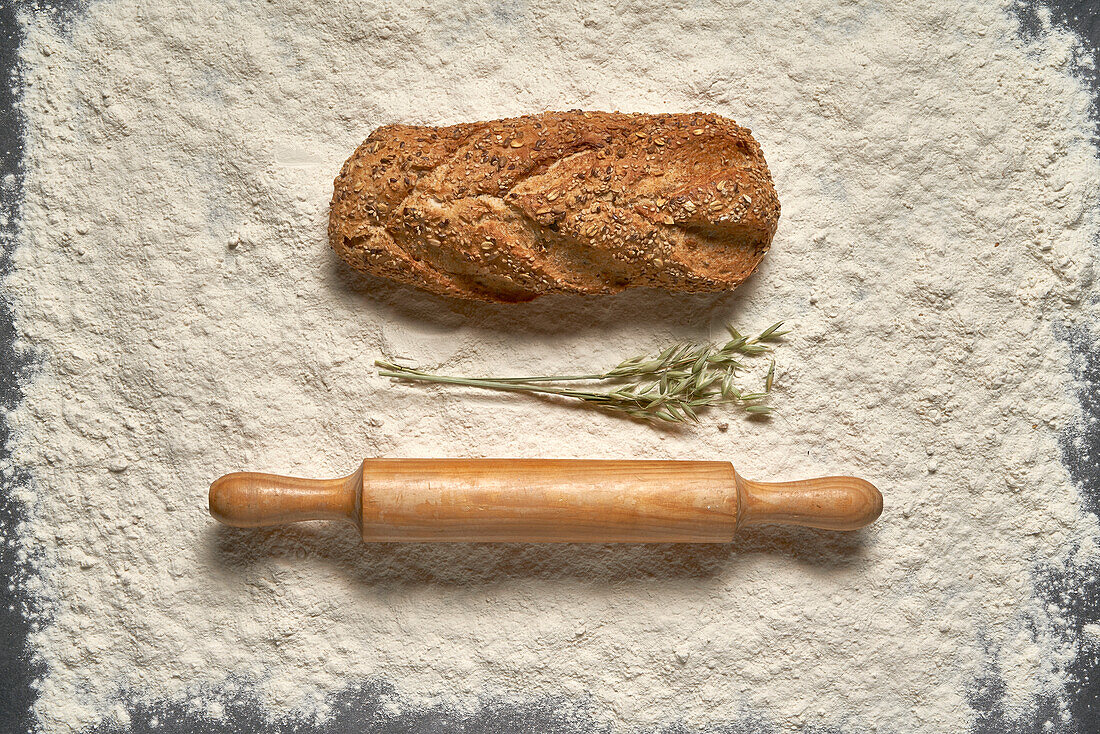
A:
671, 386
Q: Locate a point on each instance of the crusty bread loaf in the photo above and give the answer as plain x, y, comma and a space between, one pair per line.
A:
562, 202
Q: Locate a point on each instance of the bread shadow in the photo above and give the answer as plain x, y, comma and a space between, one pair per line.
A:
547, 315
236, 552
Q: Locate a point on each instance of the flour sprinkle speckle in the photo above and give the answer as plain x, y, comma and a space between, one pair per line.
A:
172, 280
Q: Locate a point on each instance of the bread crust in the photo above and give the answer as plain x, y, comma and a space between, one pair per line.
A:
560, 202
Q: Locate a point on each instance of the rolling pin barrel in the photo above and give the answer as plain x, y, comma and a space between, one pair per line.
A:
535, 500
541, 500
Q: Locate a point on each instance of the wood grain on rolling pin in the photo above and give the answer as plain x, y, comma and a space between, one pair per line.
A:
562, 202
545, 500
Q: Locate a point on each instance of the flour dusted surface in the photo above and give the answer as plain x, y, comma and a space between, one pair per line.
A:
938, 189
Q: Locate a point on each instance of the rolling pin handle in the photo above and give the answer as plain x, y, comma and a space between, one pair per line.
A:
829, 503
251, 499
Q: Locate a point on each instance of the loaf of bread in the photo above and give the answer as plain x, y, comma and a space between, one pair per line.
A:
561, 202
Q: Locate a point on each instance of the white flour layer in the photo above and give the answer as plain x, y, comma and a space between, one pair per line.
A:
938, 186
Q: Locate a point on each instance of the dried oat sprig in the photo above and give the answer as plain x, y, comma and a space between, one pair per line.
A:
671, 386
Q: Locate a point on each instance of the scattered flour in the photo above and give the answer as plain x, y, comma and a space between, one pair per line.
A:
172, 277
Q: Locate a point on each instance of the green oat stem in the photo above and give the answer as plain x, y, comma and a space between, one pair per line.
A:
667, 387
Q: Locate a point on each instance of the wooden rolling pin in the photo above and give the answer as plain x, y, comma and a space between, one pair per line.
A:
545, 501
